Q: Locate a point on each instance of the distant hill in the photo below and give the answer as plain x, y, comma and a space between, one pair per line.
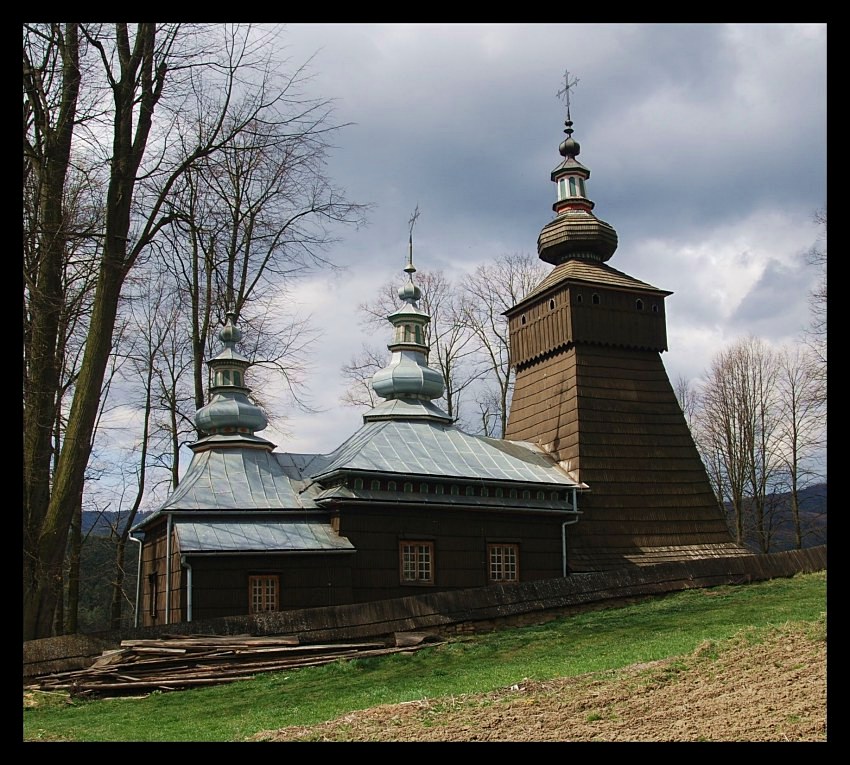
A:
101, 524
812, 520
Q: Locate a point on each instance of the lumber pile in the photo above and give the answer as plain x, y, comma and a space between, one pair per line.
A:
179, 662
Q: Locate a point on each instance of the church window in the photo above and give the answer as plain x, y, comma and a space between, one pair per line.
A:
470, 491
416, 560
408, 487
562, 189
438, 489
573, 188
581, 187
526, 494
263, 593
237, 378
423, 488
484, 492
655, 307
595, 299
455, 490
503, 563
541, 495
418, 330
579, 298
513, 493
358, 483
391, 486
522, 319
552, 305
375, 486
639, 304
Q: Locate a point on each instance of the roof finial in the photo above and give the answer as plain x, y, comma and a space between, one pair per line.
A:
409, 268
565, 91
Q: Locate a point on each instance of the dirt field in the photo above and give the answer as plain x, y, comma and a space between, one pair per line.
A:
737, 691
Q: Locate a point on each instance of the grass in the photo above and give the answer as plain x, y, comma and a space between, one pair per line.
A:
667, 626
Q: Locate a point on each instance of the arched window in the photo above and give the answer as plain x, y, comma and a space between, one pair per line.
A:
423, 488
358, 483
237, 378
408, 487
579, 298
418, 331
522, 319
375, 486
639, 304
655, 307
391, 486
595, 299
552, 305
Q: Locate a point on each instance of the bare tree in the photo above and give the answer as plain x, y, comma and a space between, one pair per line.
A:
738, 433
486, 294
816, 333
159, 99
803, 426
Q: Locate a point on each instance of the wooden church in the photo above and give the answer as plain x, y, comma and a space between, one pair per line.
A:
598, 470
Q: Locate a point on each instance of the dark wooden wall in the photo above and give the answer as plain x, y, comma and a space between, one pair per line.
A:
611, 416
460, 546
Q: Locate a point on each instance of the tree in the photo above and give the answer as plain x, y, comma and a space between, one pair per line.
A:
157, 101
738, 433
802, 428
486, 294
816, 332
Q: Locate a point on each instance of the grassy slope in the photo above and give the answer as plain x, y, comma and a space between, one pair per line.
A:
598, 640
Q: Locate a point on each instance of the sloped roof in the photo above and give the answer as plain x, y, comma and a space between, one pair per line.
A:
426, 448
261, 535
237, 479
590, 271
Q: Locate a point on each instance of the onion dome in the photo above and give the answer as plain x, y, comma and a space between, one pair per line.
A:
407, 379
230, 416
576, 232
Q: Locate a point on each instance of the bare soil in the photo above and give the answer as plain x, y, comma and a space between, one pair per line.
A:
745, 689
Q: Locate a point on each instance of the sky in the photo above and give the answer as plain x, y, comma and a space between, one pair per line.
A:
706, 145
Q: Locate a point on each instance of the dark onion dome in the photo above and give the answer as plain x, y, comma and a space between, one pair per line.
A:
575, 232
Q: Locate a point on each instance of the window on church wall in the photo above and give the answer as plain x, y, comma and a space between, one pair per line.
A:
391, 486
263, 590
237, 378
655, 307
375, 485
579, 298
503, 562
408, 487
418, 333
595, 299
581, 187
562, 189
552, 304
423, 488
639, 304
573, 188
416, 562
358, 483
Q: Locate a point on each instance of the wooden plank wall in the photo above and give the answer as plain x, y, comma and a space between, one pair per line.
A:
456, 611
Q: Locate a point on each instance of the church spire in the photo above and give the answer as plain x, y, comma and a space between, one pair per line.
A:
230, 416
408, 379
575, 232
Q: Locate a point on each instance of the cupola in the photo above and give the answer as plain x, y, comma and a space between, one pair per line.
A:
230, 415
407, 379
575, 232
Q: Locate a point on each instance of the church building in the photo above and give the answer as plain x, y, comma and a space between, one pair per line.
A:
598, 470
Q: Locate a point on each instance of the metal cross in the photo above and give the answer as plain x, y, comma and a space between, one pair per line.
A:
565, 91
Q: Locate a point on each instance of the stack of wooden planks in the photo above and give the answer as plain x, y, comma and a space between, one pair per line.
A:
180, 662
